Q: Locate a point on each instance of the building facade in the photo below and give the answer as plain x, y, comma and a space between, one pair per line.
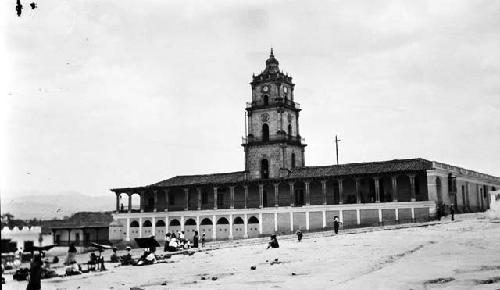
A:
277, 193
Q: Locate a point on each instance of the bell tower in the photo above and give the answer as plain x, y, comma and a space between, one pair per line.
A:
273, 144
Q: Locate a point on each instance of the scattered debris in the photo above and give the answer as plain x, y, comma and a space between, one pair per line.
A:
253, 267
439, 280
488, 281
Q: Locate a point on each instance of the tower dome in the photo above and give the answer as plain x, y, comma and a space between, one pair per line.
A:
272, 60
272, 63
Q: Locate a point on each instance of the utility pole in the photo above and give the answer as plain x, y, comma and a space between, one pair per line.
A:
337, 140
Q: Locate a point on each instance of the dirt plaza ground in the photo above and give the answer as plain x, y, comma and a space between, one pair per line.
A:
463, 254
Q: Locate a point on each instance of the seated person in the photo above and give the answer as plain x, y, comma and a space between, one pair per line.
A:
46, 271
187, 245
73, 269
127, 258
92, 262
273, 243
172, 246
147, 258
151, 258
114, 257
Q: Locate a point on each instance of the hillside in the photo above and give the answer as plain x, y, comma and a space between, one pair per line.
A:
58, 205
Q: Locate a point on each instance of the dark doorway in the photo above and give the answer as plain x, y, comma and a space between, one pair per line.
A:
220, 200
289, 131
265, 132
264, 198
264, 169
86, 238
293, 160
299, 197
266, 100
439, 190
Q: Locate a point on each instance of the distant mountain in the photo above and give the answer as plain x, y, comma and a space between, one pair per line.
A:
58, 205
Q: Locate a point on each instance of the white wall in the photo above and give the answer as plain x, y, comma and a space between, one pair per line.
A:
26, 234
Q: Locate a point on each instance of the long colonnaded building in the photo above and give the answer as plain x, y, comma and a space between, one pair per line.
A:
277, 193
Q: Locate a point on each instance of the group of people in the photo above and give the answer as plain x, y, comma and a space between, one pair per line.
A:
175, 242
96, 262
273, 242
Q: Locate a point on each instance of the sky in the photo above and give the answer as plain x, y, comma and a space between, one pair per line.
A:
105, 94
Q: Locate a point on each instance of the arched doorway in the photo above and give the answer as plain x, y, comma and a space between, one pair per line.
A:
264, 169
146, 228
174, 226
222, 228
160, 230
206, 226
265, 132
189, 228
253, 227
238, 228
134, 230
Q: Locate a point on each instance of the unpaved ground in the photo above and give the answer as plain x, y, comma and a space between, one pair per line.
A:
450, 255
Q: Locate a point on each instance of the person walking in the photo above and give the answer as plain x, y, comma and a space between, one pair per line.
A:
452, 211
299, 235
195, 239
336, 224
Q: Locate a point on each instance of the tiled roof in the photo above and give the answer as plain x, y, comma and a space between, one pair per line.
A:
380, 167
214, 178
81, 220
396, 165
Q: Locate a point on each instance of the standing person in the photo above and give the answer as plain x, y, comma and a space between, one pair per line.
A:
336, 224
452, 211
299, 235
167, 242
35, 278
181, 236
71, 255
195, 239
203, 240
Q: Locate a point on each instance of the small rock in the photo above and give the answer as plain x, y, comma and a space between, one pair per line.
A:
203, 278
253, 268
164, 283
293, 274
214, 278
276, 260
267, 261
